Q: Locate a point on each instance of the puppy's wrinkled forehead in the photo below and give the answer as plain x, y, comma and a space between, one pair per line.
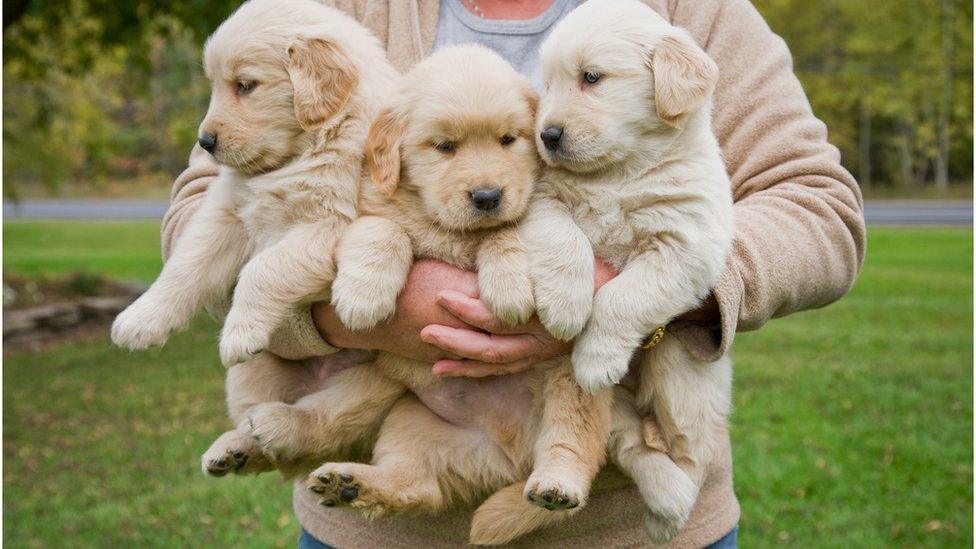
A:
582, 42
467, 89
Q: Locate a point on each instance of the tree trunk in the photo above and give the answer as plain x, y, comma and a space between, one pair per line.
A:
864, 145
905, 154
945, 100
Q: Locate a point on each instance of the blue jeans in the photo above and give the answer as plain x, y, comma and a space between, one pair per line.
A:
727, 542
306, 541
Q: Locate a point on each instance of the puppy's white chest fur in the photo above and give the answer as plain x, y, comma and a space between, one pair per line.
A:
269, 205
619, 220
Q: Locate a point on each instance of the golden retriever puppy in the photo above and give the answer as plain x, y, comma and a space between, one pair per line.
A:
453, 165
634, 174
295, 86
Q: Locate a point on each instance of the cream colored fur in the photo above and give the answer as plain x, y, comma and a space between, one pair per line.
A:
638, 179
463, 120
295, 86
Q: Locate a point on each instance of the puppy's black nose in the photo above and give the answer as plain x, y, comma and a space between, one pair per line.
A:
486, 199
208, 141
551, 136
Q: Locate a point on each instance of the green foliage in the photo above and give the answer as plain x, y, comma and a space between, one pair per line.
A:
78, 106
99, 90
876, 70
852, 424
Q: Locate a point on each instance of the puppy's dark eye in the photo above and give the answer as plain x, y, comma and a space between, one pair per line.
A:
591, 77
245, 86
445, 146
507, 139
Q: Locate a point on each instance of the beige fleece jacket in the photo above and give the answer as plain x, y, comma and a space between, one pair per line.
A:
800, 241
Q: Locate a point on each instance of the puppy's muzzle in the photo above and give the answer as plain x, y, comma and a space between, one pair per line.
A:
208, 141
486, 199
551, 137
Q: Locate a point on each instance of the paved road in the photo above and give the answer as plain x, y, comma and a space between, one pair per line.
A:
84, 209
915, 213
894, 212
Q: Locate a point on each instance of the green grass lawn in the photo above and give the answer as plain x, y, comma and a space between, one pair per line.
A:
852, 427
123, 249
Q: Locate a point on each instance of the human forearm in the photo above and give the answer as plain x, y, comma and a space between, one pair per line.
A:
799, 237
186, 197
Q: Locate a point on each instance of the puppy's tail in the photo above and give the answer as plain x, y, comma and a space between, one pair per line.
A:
507, 515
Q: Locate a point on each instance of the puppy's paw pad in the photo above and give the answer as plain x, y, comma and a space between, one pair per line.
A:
553, 495
333, 487
232, 452
228, 462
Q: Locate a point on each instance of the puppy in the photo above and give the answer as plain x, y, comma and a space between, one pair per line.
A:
294, 88
453, 164
634, 174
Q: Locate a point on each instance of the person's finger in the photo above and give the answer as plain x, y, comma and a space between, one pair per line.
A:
476, 368
491, 348
474, 312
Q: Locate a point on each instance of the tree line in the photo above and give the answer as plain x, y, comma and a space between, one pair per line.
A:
98, 90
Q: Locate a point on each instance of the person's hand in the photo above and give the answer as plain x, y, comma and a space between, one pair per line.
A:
416, 308
492, 348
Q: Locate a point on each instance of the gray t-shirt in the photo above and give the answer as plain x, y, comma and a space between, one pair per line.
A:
517, 41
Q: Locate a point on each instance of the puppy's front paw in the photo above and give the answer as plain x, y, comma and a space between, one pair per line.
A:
143, 324
563, 309
358, 306
598, 364
240, 342
281, 430
555, 494
508, 296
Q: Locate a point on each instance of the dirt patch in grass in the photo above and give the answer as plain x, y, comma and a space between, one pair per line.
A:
42, 311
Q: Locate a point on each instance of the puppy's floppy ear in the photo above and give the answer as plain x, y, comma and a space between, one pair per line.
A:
531, 97
383, 150
684, 76
323, 77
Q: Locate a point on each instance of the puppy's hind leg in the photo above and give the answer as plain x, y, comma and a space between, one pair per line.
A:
420, 463
690, 401
572, 440
299, 266
344, 414
266, 379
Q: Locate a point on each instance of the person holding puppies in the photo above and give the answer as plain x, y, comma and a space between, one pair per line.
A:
799, 243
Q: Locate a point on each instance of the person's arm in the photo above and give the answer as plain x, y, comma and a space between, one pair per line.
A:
800, 237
